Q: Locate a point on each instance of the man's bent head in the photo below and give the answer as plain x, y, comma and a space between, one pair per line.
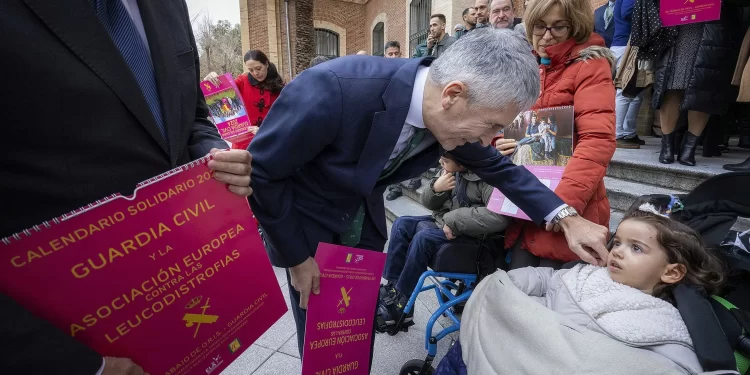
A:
478, 86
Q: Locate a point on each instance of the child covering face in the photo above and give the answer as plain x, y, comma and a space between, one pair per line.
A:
630, 299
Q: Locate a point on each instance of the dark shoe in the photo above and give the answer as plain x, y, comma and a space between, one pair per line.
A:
390, 313
387, 292
393, 194
638, 140
414, 184
629, 143
687, 152
739, 167
666, 156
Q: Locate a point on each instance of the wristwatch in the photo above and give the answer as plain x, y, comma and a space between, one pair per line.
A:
567, 211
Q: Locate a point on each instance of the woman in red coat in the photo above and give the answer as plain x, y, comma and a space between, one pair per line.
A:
575, 69
259, 87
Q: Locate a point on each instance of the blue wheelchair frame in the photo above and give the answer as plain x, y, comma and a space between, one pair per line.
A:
442, 292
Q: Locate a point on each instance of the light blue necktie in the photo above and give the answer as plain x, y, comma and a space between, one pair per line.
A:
116, 20
609, 14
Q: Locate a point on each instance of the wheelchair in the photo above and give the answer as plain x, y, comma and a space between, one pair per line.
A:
455, 270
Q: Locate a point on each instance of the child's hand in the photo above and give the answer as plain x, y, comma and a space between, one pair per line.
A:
448, 232
446, 182
254, 129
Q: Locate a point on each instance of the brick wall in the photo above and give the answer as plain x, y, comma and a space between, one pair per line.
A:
264, 20
392, 12
351, 17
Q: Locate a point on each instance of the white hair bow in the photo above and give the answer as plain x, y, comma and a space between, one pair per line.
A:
648, 207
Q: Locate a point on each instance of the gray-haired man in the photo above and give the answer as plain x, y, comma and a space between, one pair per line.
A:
376, 121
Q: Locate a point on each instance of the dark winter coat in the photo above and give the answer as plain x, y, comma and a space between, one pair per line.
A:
710, 89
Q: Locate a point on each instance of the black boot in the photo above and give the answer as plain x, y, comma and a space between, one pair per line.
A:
666, 156
739, 167
687, 152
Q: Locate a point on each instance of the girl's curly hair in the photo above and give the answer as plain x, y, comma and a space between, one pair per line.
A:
683, 245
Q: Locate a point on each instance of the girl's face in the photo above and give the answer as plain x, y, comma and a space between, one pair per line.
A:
552, 29
257, 69
450, 166
638, 260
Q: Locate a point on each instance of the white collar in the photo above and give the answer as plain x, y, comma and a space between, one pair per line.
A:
414, 117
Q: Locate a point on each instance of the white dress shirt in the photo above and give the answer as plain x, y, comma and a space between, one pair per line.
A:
414, 120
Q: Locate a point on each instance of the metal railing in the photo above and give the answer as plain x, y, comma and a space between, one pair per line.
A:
326, 43
419, 22
378, 39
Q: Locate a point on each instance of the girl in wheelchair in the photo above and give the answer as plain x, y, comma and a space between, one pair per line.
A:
458, 199
630, 300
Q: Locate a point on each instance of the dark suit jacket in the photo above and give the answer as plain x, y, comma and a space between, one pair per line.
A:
76, 128
607, 33
325, 142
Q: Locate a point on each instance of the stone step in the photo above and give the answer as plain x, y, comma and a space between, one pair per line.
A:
622, 193
403, 206
642, 165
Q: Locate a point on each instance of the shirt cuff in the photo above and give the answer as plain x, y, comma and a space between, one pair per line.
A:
554, 213
101, 369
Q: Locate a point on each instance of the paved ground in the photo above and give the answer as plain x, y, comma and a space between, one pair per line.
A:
276, 351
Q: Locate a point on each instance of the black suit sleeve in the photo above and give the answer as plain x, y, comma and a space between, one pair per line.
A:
31, 346
203, 135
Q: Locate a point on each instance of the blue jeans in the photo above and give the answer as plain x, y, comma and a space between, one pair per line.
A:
626, 109
410, 251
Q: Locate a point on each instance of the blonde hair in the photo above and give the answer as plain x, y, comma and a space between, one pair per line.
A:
578, 12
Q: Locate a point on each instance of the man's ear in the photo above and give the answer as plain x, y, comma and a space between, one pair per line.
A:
453, 91
673, 273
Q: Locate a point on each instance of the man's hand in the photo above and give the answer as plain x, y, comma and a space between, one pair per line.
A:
121, 366
233, 168
506, 146
213, 78
586, 239
305, 278
448, 232
430, 40
446, 182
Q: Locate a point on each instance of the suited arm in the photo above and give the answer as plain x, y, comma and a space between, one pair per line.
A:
627, 9
29, 345
203, 135
299, 126
515, 182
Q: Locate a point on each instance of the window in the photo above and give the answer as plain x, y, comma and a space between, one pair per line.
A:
419, 22
326, 43
378, 39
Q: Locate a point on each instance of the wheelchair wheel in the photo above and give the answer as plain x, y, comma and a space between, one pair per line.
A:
414, 367
458, 309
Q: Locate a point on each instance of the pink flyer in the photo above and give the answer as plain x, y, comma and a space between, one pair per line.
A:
499, 203
340, 322
681, 12
174, 277
227, 109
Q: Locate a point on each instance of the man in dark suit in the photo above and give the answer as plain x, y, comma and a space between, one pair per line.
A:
118, 82
322, 162
604, 24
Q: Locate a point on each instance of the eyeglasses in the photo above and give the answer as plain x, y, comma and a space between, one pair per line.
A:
556, 31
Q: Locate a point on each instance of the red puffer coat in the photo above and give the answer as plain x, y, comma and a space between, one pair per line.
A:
580, 75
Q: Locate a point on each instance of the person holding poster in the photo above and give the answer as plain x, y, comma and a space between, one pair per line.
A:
375, 122
104, 120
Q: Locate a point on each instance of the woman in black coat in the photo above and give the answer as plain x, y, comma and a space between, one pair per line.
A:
695, 75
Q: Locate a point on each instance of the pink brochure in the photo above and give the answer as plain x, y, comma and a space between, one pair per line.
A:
227, 109
174, 277
545, 146
340, 319
499, 203
681, 12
